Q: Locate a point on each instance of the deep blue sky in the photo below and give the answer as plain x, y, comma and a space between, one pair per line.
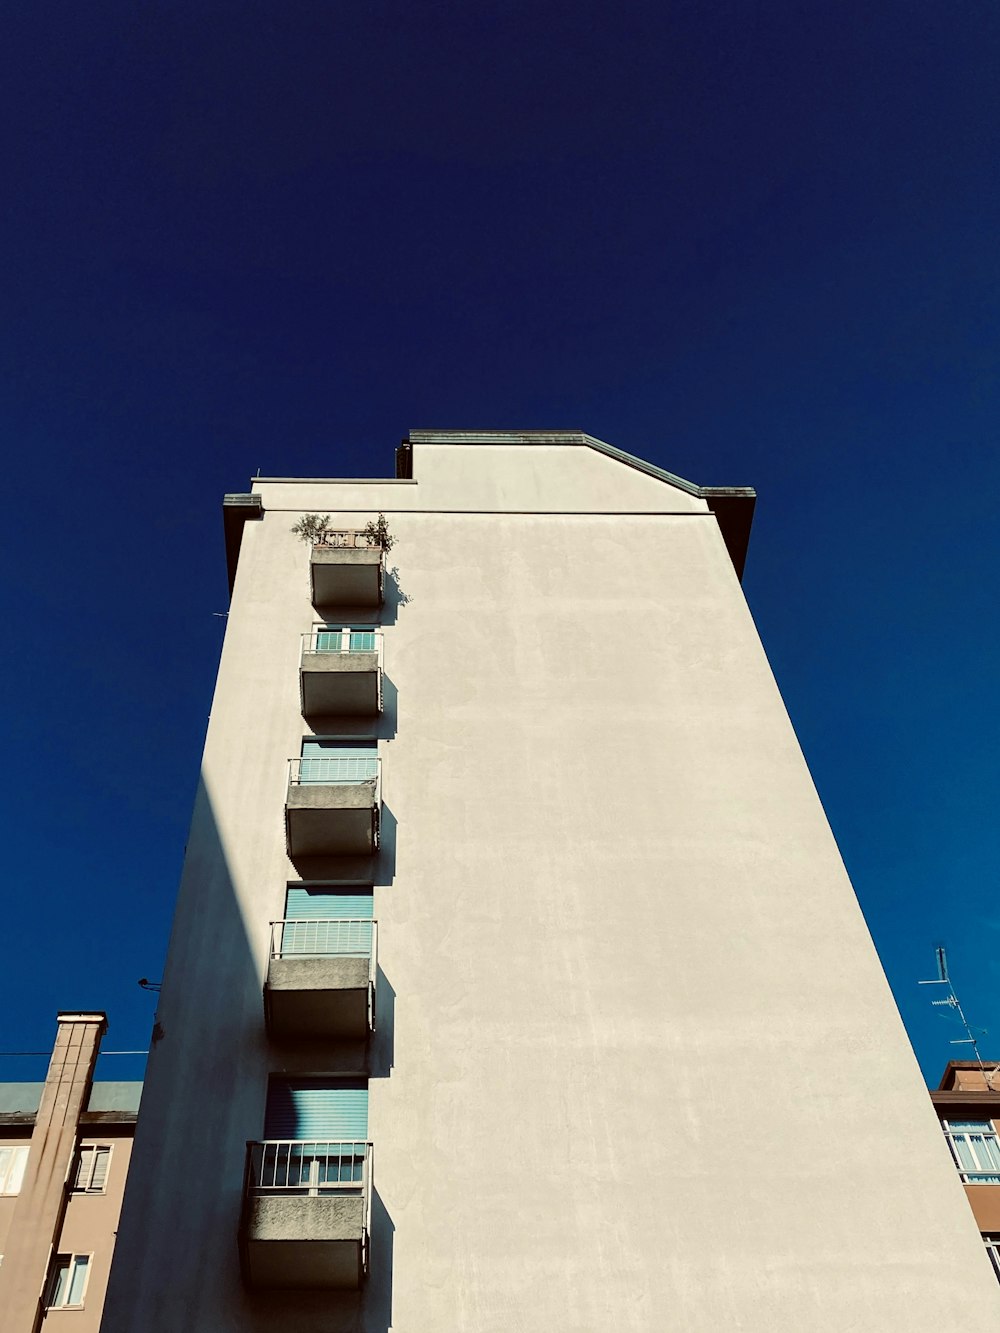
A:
755, 244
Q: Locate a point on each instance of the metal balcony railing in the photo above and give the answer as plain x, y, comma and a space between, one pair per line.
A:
336, 770
345, 539
346, 640
305, 937
309, 1168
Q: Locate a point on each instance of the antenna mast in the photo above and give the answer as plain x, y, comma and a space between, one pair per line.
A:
951, 1001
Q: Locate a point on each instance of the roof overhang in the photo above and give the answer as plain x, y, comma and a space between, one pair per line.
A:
237, 510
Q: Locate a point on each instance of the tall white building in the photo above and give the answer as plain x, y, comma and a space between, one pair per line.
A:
568, 1020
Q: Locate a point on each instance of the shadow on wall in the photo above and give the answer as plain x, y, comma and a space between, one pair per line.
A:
204, 1097
393, 596
385, 728
379, 869
382, 1055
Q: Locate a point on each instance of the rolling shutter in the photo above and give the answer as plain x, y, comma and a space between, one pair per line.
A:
313, 918
318, 1109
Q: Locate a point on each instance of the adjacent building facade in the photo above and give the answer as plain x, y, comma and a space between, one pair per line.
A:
967, 1102
65, 1146
516, 981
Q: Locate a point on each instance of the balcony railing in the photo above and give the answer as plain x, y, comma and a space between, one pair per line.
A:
335, 771
344, 640
345, 539
333, 938
306, 1216
308, 1167
340, 671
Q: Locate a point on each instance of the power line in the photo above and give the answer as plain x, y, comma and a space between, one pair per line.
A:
4, 1053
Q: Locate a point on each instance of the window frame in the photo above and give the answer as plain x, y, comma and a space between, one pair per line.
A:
986, 1128
70, 1263
94, 1149
992, 1242
19, 1153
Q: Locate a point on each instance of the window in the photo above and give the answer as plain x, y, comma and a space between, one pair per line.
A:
92, 1170
321, 919
12, 1164
340, 639
992, 1244
68, 1281
976, 1150
315, 1132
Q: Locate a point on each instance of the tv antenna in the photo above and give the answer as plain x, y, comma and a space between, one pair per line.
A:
951, 1001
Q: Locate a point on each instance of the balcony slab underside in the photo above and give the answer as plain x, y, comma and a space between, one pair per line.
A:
345, 577
339, 683
303, 1242
317, 997
335, 819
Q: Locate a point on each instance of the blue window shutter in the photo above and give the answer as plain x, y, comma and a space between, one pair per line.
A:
331, 1111
304, 904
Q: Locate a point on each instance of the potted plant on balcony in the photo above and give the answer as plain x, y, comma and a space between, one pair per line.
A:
313, 528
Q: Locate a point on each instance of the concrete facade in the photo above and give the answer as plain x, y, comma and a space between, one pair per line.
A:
45, 1213
609, 905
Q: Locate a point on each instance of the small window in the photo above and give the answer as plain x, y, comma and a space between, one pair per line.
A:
12, 1164
992, 1244
68, 1281
92, 1170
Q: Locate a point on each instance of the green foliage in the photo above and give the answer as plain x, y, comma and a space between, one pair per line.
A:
311, 527
377, 532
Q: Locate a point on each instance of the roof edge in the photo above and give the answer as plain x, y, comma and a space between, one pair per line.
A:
236, 510
733, 506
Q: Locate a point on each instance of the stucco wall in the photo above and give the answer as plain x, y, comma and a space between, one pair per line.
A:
10, 1137
89, 1225
610, 907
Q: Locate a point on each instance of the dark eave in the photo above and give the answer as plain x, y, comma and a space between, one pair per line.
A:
237, 510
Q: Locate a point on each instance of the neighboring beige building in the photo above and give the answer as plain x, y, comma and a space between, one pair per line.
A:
65, 1146
618, 1053
967, 1102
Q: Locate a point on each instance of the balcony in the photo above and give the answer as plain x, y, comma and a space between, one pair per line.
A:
346, 570
321, 979
333, 806
340, 671
306, 1214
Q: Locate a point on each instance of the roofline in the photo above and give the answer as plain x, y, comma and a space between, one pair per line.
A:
733, 506
571, 437
963, 1064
